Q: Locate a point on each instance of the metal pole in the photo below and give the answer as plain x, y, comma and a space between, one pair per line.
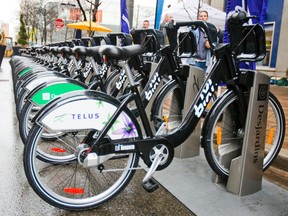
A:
130, 8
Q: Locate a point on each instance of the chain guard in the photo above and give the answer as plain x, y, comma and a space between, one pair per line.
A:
166, 150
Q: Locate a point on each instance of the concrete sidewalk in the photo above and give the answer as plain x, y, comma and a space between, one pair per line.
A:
190, 181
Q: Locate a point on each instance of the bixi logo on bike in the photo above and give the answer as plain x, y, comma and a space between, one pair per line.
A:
152, 86
121, 80
205, 97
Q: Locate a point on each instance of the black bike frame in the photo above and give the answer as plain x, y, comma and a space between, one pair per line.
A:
222, 69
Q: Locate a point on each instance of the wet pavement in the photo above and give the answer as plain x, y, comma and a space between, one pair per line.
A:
18, 198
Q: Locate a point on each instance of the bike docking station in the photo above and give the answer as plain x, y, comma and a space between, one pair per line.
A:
186, 48
152, 91
191, 146
246, 170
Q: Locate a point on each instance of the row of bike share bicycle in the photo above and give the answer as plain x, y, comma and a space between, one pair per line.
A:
82, 107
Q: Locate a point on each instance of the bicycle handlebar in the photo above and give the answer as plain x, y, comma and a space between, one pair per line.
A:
239, 17
209, 28
235, 21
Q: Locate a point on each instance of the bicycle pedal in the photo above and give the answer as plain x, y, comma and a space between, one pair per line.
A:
150, 186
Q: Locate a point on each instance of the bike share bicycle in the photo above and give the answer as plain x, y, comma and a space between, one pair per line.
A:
217, 138
108, 137
168, 107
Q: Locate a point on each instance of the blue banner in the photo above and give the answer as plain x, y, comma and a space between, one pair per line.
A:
125, 28
258, 8
253, 8
78, 34
158, 13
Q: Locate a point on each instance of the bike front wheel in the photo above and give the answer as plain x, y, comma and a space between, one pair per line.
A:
168, 107
224, 135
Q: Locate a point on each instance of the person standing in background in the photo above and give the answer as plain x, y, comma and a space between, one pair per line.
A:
145, 24
167, 22
203, 53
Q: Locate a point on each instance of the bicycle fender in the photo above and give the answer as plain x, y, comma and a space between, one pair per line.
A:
47, 91
88, 110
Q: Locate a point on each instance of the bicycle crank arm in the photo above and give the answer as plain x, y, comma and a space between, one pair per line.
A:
148, 182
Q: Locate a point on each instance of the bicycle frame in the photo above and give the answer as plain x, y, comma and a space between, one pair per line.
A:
222, 69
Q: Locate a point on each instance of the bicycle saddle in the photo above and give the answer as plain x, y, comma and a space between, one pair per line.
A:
86, 51
65, 49
121, 53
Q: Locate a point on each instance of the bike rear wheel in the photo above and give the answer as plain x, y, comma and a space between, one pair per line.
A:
69, 185
222, 133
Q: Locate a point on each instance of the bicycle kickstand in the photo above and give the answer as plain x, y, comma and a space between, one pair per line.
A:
148, 183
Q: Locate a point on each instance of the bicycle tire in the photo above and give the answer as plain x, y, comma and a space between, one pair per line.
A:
272, 153
215, 132
25, 123
168, 105
91, 186
20, 101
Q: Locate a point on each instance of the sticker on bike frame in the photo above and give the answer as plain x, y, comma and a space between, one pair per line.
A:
152, 87
205, 97
89, 114
46, 94
121, 80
